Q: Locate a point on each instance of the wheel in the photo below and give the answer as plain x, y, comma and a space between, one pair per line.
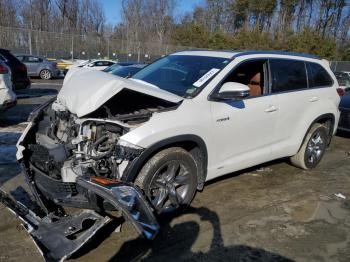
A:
169, 179
313, 148
45, 74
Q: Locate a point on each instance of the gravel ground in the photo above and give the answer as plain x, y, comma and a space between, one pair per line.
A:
273, 212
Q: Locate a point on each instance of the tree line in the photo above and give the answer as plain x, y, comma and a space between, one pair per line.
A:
319, 27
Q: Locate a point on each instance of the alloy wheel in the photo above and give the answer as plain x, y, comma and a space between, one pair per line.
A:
315, 148
170, 186
45, 74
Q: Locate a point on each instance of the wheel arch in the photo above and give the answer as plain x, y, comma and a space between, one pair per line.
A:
322, 119
192, 143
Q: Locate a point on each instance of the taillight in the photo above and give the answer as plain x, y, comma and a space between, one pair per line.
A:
54, 65
3, 69
340, 91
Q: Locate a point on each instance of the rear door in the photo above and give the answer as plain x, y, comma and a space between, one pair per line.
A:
33, 65
289, 84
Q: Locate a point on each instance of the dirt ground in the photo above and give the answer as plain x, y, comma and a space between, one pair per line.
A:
273, 212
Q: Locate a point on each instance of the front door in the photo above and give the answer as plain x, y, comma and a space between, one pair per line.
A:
244, 130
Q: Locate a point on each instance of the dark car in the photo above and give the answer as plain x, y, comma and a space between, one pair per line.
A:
344, 107
343, 80
39, 66
127, 71
118, 65
20, 79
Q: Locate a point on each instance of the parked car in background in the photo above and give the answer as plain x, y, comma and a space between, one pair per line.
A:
38, 66
346, 72
118, 65
343, 80
98, 64
344, 107
19, 75
127, 71
63, 65
7, 96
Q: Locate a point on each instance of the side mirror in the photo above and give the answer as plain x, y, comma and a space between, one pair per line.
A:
232, 90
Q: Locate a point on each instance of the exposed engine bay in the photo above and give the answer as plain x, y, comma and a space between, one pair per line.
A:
67, 147
71, 161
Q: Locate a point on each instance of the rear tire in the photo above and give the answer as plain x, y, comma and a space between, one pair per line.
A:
45, 74
313, 148
169, 179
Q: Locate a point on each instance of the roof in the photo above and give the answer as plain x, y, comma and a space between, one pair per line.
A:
232, 54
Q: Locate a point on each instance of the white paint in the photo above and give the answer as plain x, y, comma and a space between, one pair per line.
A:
237, 135
84, 91
6, 94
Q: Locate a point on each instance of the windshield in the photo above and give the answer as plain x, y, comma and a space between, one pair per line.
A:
183, 75
112, 67
126, 71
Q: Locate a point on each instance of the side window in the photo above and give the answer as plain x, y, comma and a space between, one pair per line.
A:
99, 63
20, 58
33, 59
250, 73
287, 75
318, 76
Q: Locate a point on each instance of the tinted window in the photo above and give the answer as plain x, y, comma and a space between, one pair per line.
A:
99, 63
20, 58
318, 76
33, 59
287, 75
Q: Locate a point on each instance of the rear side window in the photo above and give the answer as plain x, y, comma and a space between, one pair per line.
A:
33, 59
287, 75
20, 58
318, 76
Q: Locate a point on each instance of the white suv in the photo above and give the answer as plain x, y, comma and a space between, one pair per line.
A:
185, 119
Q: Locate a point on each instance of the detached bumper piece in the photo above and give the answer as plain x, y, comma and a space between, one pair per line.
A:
58, 237
126, 198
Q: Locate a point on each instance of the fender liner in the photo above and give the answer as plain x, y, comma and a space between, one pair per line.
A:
134, 167
329, 116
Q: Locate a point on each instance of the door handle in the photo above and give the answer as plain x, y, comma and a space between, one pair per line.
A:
271, 109
313, 99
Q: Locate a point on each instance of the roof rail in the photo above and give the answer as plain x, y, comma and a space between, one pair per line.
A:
242, 53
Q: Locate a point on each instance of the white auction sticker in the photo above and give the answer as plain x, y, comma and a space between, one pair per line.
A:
205, 77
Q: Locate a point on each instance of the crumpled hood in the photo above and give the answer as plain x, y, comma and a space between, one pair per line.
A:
85, 90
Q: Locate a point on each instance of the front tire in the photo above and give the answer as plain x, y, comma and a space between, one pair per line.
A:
169, 179
313, 148
45, 74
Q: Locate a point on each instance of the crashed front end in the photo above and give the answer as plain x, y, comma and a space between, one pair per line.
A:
77, 162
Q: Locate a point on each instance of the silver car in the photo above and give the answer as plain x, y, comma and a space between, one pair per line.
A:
39, 66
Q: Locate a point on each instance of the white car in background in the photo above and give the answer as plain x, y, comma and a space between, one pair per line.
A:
99, 64
7, 96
